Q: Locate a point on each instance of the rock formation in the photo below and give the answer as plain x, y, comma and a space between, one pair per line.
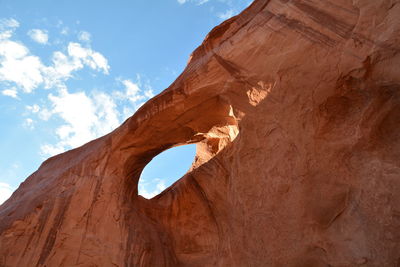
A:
295, 107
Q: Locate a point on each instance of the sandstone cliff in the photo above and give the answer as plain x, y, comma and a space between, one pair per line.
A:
295, 107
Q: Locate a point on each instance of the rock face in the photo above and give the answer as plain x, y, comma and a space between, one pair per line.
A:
295, 107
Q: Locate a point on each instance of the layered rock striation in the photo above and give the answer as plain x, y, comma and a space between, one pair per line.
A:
295, 107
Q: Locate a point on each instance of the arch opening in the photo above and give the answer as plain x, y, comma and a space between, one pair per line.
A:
165, 169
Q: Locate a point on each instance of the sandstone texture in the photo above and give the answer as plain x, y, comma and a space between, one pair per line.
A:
295, 107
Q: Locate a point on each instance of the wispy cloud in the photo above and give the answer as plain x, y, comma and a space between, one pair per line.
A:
29, 124
227, 14
8, 23
64, 31
200, 2
7, 27
197, 2
84, 36
34, 108
229, 8
39, 36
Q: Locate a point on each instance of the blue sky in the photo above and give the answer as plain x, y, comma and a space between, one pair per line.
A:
71, 71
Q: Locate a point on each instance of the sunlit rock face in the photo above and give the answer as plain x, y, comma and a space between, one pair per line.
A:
295, 106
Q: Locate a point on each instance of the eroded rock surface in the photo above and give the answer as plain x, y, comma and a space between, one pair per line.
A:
295, 106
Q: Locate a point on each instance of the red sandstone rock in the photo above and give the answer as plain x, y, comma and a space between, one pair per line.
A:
295, 106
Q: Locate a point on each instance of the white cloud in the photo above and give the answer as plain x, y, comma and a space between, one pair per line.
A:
28, 72
5, 192
12, 50
12, 92
143, 188
85, 118
84, 36
131, 92
77, 58
227, 14
61, 70
6, 34
39, 36
51, 150
19, 67
88, 57
107, 114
